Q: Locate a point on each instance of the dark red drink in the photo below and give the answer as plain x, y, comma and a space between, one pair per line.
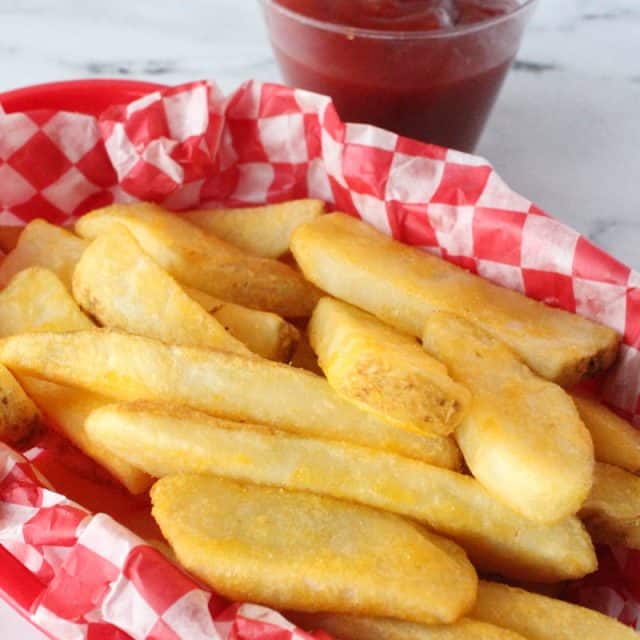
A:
427, 69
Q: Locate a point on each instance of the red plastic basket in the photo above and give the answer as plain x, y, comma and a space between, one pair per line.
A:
488, 232
91, 96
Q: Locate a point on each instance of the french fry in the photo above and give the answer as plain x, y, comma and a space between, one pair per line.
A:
19, 416
205, 262
615, 441
128, 367
208, 302
263, 231
537, 617
165, 441
384, 371
350, 627
123, 288
402, 286
297, 550
36, 300
266, 334
43, 245
67, 410
612, 510
522, 437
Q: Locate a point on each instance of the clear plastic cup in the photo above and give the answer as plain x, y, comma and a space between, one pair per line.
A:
437, 86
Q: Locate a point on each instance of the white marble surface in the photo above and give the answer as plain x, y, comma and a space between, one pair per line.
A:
565, 132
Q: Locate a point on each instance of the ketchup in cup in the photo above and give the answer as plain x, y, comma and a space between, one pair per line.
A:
426, 69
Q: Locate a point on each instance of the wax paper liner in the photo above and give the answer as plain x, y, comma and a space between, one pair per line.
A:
82, 576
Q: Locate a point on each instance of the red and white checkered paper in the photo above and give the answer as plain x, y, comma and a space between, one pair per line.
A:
189, 146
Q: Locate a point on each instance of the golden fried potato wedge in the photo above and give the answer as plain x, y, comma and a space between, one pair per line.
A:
522, 437
298, 550
264, 333
129, 367
165, 441
615, 441
43, 245
36, 300
208, 302
402, 286
384, 371
612, 510
123, 288
262, 231
350, 627
205, 262
19, 416
67, 410
538, 617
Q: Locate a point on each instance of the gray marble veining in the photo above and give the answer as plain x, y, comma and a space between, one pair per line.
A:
565, 131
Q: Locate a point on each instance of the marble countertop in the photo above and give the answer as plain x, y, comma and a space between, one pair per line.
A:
565, 131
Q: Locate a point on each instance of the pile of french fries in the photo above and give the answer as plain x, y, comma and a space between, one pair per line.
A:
329, 422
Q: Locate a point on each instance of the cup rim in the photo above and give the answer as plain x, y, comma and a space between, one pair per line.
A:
382, 34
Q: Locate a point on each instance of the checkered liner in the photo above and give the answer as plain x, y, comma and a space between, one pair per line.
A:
189, 146
87, 577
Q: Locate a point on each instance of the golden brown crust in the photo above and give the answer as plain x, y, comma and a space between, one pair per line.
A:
129, 367
20, 420
384, 371
168, 442
402, 285
589, 366
540, 618
298, 550
348, 627
615, 440
611, 513
205, 262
